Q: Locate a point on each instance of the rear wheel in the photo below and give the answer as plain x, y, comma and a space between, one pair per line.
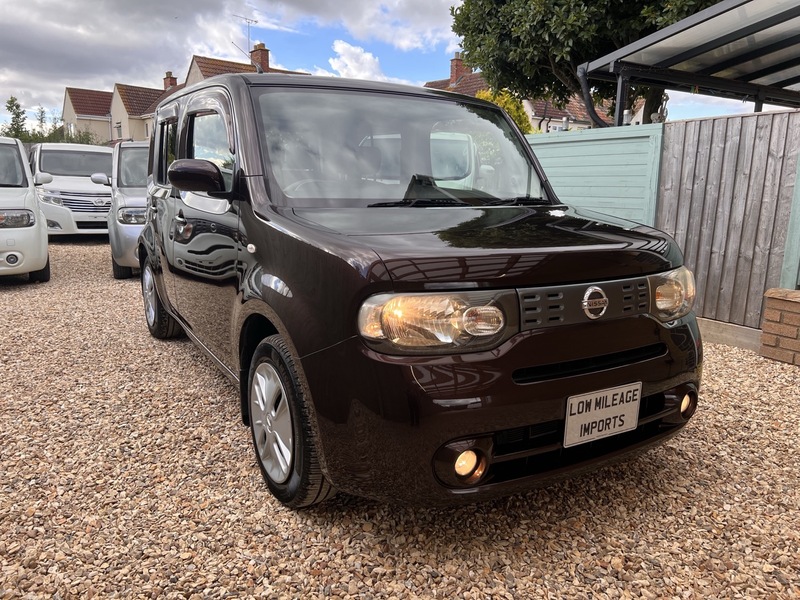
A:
159, 321
285, 446
119, 271
42, 275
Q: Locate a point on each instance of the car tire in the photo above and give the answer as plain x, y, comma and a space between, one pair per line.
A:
42, 275
285, 445
160, 323
119, 271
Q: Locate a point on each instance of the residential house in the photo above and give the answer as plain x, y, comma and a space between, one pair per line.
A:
202, 67
87, 111
541, 113
127, 112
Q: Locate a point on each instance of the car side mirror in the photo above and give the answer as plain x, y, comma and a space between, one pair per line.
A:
42, 178
196, 175
100, 179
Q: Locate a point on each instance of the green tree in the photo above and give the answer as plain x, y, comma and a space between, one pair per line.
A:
511, 104
534, 47
16, 127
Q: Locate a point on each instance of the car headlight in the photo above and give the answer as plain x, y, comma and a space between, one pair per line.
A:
49, 198
16, 218
439, 322
673, 294
131, 216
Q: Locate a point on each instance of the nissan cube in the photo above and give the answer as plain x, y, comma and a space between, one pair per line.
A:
407, 309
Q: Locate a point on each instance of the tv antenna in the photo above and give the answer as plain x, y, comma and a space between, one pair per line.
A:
249, 22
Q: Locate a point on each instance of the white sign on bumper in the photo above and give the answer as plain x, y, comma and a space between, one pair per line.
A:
602, 414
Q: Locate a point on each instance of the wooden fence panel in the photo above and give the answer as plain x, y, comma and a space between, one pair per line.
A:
613, 170
727, 190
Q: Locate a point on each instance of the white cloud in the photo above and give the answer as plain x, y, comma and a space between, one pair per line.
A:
357, 63
403, 24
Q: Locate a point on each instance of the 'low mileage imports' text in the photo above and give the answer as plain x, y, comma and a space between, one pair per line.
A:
602, 413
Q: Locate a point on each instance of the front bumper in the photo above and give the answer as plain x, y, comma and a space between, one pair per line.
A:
123, 240
385, 428
28, 245
63, 221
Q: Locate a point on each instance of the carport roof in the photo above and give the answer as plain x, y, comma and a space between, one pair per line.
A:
743, 49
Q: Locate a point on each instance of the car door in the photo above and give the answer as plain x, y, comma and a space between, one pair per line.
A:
205, 243
162, 199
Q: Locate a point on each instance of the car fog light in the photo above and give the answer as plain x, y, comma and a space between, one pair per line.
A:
466, 463
12, 259
688, 405
53, 224
470, 466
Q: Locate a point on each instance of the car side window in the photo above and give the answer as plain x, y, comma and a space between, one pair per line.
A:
208, 140
168, 137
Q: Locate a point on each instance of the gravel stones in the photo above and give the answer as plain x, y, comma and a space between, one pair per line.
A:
126, 472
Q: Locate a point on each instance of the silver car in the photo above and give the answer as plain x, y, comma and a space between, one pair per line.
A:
128, 201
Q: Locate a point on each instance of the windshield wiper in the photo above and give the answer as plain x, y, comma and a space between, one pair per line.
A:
520, 201
426, 184
422, 202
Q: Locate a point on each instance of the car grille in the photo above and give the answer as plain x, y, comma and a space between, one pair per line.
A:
86, 202
562, 305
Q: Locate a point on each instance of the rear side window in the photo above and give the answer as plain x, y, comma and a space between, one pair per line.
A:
168, 141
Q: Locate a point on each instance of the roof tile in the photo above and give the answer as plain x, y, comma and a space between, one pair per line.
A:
90, 102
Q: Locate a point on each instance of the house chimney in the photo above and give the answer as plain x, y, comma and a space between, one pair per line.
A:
169, 81
259, 55
457, 69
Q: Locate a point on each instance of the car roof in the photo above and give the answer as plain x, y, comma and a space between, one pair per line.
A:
241, 80
68, 146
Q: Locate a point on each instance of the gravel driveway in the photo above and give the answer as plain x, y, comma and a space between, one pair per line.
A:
126, 473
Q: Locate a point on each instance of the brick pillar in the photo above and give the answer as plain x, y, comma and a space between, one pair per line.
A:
780, 326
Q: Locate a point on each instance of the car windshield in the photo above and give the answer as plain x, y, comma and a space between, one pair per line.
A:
355, 148
132, 167
75, 163
11, 172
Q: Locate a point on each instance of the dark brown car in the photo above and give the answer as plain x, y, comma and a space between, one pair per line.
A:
409, 312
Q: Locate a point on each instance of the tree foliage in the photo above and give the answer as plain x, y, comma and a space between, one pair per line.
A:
42, 131
534, 47
509, 103
16, 127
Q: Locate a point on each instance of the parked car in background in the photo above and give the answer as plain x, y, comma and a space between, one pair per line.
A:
23, 230
125, 218
71, 202
407, 309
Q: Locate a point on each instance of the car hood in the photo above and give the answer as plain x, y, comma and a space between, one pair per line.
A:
62, 183
512, 245
130, 197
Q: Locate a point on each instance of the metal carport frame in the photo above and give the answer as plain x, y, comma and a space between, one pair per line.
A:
741, 49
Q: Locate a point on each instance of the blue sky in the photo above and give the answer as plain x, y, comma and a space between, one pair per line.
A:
48, 45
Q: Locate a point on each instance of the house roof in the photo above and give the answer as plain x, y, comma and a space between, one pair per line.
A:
575, 110
164, 93
137, 100
90, 102
471, 83
743, 49
216, 66
468, 84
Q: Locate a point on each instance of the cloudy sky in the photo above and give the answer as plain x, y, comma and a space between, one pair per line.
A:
48, 45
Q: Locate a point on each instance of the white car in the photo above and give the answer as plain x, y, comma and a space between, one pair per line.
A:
128, 183
71, 201
23, 229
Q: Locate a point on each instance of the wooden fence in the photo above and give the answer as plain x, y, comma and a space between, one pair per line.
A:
726, 194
